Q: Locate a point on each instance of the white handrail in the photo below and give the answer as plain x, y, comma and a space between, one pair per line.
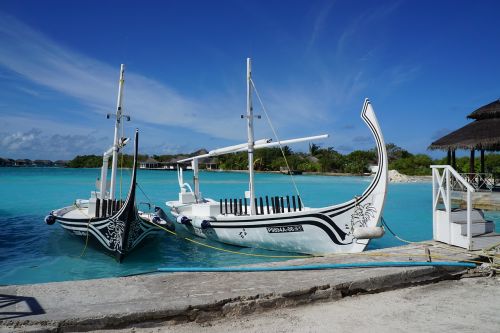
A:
456, 175
441, 188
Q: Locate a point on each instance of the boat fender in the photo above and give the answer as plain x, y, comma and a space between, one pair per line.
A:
161, 213
160, 217
184, 220
205, 224
158, 220
50, 219
368, 232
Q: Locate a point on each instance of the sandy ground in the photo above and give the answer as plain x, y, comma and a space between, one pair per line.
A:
467, 305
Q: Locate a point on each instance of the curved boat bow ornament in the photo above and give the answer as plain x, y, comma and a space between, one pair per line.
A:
124, 226
364, 211
119, 232
340, 228
112, 223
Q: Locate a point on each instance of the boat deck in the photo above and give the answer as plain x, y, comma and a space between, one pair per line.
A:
77, 213
205, 296
213, 208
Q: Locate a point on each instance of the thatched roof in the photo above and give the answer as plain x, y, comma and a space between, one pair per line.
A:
487, 111
151, 160
483, 133
480, 134
180, 157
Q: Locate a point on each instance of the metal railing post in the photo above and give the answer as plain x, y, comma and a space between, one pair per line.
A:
448, 191
434, 195
448, 200
469, 224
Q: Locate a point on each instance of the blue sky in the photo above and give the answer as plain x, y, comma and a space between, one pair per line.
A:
424, 64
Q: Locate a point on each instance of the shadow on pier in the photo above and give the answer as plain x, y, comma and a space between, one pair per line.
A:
9, 303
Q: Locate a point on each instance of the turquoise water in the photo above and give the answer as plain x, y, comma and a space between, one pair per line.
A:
31, 251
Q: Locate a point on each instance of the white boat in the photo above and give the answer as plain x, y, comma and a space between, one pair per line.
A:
283, 223
115, 225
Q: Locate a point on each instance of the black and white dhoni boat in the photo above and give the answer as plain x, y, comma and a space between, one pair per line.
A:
282, 222
115, 225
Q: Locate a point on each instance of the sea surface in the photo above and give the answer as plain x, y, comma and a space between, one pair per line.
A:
33, 252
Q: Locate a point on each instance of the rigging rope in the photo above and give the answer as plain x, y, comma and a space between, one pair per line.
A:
140, 188
277, 139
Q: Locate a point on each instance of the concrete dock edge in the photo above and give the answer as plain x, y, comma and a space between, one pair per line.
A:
201, 297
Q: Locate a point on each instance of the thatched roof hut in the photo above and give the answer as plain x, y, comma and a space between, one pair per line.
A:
482, 134
487, 111
150, 163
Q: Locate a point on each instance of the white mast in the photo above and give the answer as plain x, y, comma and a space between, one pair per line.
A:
250, 136
196, 179
117, 128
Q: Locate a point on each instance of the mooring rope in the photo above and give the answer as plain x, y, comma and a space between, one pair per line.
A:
493, 258
384, 223
433, 256
88, 226
230, 251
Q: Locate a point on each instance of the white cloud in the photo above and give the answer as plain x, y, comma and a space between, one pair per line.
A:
402, 74
171, 119
43, 61
319, 23
19, 141
34, 144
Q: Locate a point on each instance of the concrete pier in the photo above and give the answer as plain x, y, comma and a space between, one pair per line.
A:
480, 200
182, 297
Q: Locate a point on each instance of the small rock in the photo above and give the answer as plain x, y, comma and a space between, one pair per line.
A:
396, 177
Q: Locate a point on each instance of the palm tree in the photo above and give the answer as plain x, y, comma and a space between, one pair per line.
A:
313, 149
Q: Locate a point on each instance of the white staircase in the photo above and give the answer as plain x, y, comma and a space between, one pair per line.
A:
479, 226
465, 228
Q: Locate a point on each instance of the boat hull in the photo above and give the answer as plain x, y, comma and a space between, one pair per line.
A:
118, 232
109, 233
314, 231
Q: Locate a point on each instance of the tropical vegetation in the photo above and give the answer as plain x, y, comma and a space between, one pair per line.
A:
317, 159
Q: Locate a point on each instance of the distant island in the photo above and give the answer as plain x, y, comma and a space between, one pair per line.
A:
317, 159
9, 162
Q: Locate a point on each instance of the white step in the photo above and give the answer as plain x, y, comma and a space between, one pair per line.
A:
477, 228
460, 216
